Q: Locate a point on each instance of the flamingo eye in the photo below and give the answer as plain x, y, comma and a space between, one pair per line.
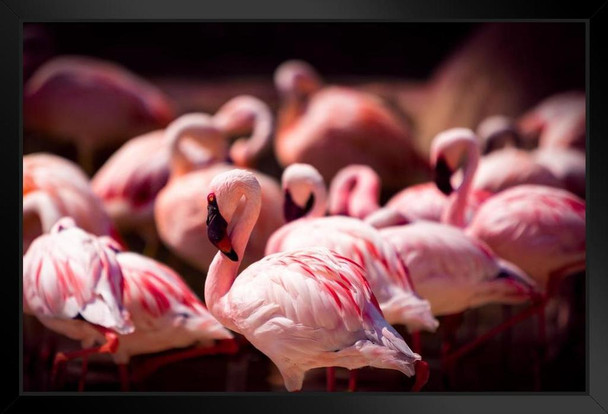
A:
211, 198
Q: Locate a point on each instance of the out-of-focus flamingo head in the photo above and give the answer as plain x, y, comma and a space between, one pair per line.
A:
552, 109
296, 78
244, 115
354, 191
305, 192
194, 141
450, 150
497, 132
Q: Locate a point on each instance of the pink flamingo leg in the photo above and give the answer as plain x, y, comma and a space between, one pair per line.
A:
416, 342
227, 346
123, 373
526, 313
331, 379
83, 373
352, 381
451, 324
422, 375
61, 358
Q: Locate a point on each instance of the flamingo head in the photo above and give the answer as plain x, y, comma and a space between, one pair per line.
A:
194, 141
225, 207
450, 150
296, 78
304, 188
496, 132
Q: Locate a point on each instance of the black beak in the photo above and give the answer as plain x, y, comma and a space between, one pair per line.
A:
291, 211
442, 175
217, 230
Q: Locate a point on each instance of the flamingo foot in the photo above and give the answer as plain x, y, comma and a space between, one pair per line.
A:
57, 372
422, 375
61, 358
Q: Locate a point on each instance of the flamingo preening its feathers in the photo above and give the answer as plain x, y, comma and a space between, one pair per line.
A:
89, 289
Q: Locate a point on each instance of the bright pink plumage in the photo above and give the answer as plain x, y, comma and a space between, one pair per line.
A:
540, 229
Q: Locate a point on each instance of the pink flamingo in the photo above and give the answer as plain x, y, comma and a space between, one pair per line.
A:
166, 315
54, 187
555, 166
132, 177
505, 165
568, 165
304, 309
351, 238
91, 103
179, 210
558, 121
73, 284
330, 127
540, 229
454, 271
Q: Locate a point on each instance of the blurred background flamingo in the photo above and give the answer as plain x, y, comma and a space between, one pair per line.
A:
91, 103
180, 206
132, 177
329, 127
54, 187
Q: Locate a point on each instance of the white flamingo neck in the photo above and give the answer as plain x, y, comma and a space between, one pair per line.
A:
41, 204
243, 201
454, 213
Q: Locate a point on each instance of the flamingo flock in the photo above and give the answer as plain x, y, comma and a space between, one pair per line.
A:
357, 254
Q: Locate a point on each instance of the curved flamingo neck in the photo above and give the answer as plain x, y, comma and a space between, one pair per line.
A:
291, 110
223, 271
242, 115
454, 213
198, 126
41, 204
355, 192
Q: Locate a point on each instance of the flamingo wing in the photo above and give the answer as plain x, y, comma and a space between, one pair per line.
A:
156, 296
69, 273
